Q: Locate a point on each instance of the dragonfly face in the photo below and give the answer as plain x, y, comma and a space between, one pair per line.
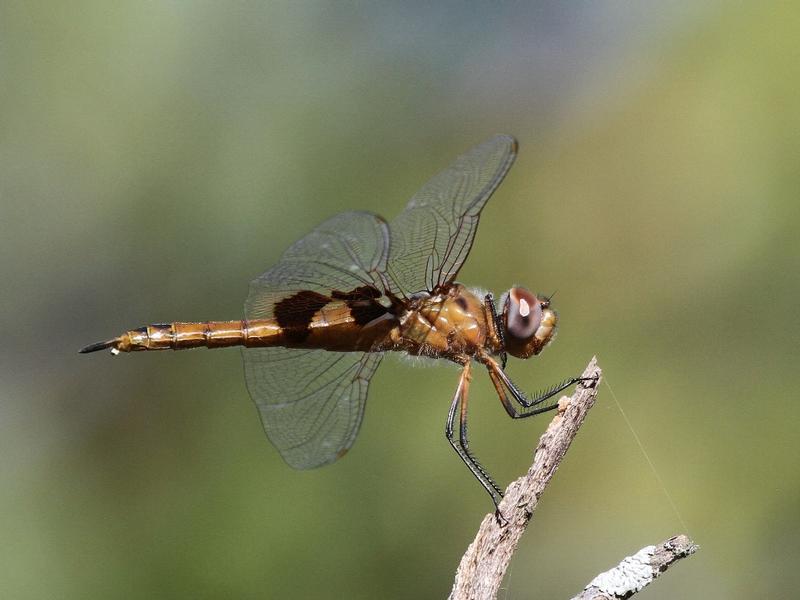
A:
529, 323
320, 320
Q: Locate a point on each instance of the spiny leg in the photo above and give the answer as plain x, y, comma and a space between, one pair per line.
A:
461, 446
530, 406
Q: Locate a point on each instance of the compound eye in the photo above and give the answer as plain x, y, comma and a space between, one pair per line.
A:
523, 313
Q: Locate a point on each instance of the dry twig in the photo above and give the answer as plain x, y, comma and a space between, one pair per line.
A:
484, 564
637, 571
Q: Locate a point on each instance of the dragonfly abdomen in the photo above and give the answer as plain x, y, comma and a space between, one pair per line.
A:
181, 336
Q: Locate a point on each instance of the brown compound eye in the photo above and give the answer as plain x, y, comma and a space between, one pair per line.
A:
522, 313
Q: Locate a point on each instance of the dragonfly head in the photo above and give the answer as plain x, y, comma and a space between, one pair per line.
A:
529, 323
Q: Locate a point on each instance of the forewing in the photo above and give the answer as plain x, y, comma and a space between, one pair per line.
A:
432, 237
311, 402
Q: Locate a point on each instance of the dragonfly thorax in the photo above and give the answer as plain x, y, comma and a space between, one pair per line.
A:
450, 324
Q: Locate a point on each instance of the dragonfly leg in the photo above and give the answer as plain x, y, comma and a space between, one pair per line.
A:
498, 327
461, 445
529, 406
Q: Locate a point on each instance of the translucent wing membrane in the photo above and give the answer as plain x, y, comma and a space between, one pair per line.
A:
311, 401
431, 239
345, 252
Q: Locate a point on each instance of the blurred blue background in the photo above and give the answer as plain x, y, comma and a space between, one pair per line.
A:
154, 158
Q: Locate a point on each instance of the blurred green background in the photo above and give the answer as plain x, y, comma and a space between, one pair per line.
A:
155, 157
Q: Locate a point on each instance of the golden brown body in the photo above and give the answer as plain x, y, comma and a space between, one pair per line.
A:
452, 324
319, 320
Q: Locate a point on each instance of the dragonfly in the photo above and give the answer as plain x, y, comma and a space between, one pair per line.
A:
318, 323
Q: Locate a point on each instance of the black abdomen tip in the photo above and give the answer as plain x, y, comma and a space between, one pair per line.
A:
96, 346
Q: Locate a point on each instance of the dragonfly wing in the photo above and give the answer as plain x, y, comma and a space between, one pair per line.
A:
311, 402
432, 237
346, 252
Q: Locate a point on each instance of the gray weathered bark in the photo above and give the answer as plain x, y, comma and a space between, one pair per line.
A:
637, 571
485, 563
483, 566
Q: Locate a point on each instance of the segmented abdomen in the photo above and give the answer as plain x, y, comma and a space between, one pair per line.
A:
209, 334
